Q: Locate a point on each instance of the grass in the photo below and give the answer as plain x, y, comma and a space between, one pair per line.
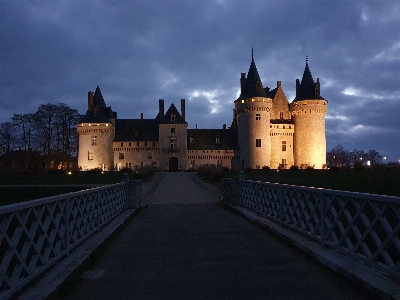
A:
10, 195
61, 178
383, 182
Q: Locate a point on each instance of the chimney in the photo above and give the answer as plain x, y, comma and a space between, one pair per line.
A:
317, 80
224, 126
161, 108
183, 109
196, 126
141, 116
297, 87
90, 101
278, 83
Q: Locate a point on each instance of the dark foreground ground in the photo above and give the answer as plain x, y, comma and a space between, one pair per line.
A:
184, 245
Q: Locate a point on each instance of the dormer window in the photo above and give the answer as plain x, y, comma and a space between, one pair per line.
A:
96, 112
217, 140
191, 140
173, 118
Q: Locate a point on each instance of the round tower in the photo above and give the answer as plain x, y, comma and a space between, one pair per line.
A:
308, 110
96, 133
253, 110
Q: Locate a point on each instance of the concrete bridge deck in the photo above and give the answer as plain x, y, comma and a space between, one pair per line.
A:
184, 245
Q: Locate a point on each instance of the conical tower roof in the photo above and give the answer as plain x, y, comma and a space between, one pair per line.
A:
307, 88
98, 99
253, 86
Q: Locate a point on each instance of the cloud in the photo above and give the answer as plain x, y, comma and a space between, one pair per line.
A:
142, 51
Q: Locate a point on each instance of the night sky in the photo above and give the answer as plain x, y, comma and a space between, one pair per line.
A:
140, 51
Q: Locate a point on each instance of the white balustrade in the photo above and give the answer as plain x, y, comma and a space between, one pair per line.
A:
362, 226
35, 234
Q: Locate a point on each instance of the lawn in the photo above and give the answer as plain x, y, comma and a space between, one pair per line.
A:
18, 193
383, 182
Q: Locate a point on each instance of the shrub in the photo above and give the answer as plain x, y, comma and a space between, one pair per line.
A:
294, 168
95, 170
265, 168
335, 168
126, 170
210, 172
146, 172
56, 171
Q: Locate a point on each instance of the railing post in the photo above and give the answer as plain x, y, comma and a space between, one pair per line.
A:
322, 207
126, 180
241, 182
281, 206
67, 225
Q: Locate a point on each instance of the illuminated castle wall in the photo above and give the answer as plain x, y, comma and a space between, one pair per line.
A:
266, 131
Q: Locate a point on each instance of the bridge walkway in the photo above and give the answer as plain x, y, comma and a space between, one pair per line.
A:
184, 245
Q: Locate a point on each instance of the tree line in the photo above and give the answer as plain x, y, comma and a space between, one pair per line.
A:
37, 139
341, 158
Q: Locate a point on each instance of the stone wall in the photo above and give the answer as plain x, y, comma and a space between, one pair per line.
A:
309, 137
95, 146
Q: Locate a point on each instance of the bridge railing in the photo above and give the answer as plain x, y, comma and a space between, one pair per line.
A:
364, 227
35, 234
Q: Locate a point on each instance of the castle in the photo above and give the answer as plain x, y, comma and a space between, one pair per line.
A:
266, 131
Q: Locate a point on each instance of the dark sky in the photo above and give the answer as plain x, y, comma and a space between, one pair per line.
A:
140, 51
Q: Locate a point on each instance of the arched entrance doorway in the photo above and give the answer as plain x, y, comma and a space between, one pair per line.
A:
173, 164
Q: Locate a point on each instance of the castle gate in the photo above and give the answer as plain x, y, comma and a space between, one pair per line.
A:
173, 164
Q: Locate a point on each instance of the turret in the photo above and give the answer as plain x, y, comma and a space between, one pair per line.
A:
308, 110
252, 111
96, 132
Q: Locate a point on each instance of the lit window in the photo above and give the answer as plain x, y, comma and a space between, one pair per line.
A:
258, 117
94, 140
173, 144
258, 142
121, 155
242, 101
90, 155
283, 145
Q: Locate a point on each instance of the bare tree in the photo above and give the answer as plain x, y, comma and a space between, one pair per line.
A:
7, 130
373, 156
45, 119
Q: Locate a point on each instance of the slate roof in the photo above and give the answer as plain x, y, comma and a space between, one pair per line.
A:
104, 113
136, 130
307, 88
205, 139
253, 86
167, 117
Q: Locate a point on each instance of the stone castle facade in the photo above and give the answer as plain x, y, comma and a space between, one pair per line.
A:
266, 131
